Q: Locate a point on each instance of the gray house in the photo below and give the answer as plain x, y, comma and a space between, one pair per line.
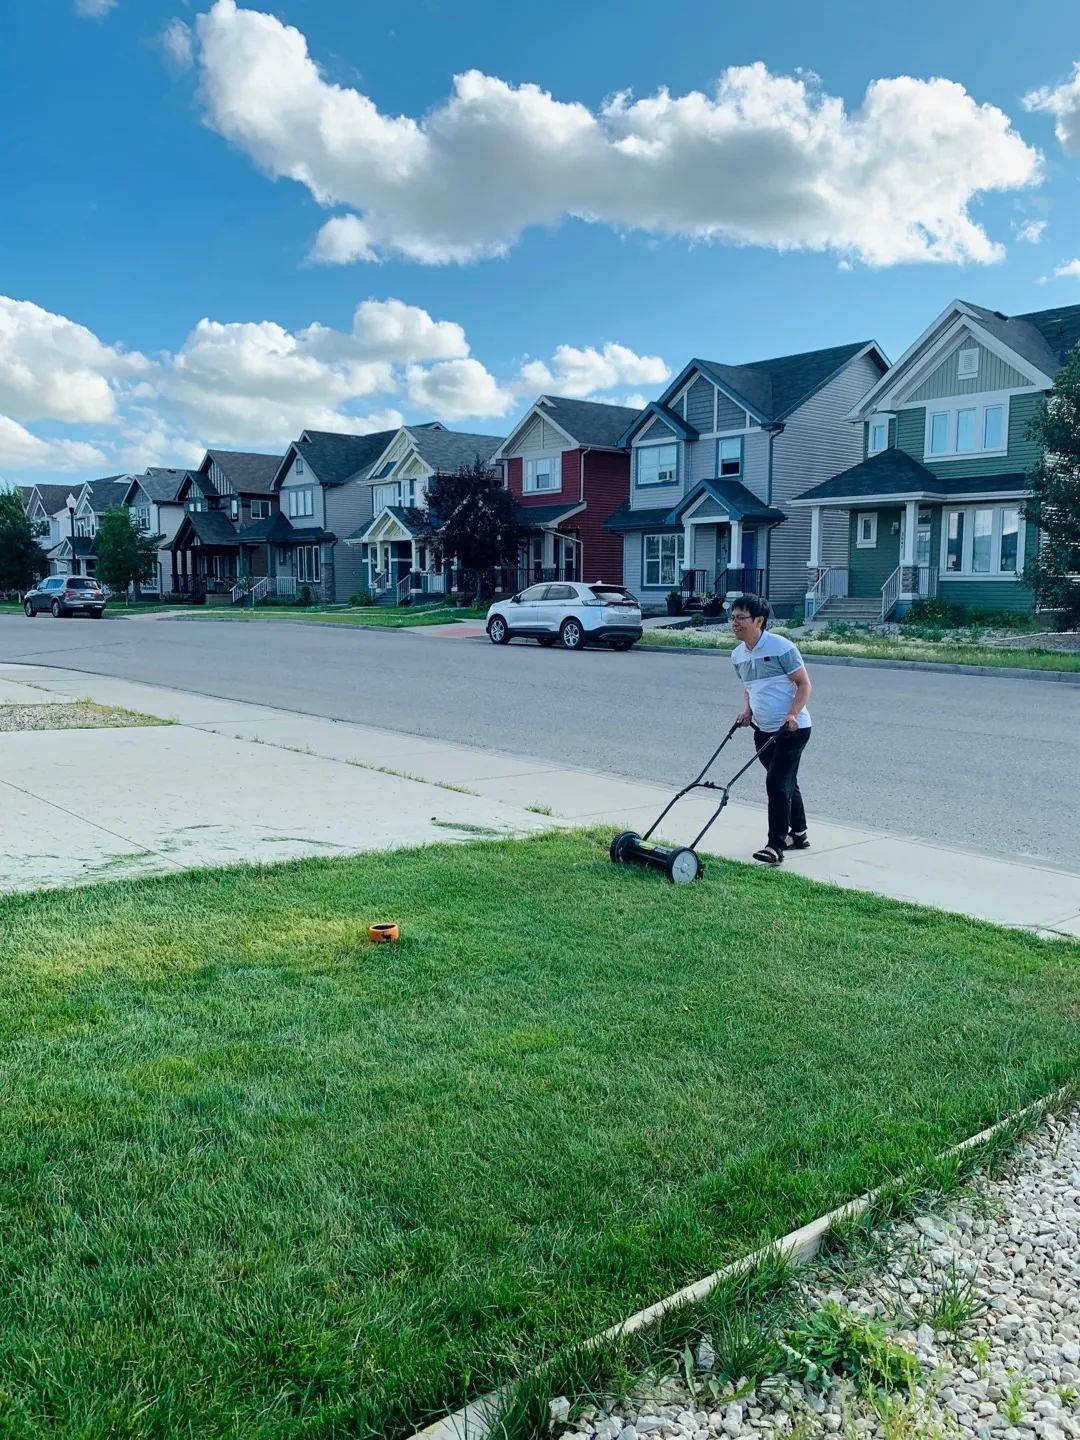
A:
716, 461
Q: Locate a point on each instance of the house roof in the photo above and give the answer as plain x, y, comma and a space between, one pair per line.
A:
53, 497
624, 520
334, 458
446, 451
774, 388
589, 422
109, 493
412, 520
160, 485
82, 546
247, 472
893, 473
542, 517
654, 409
737, 500
276, 528
210, 527
1042, 337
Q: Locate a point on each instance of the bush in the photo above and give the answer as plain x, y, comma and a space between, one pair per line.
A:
935, 612
362, 598
303, 596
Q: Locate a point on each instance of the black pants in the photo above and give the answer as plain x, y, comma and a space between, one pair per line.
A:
781, 762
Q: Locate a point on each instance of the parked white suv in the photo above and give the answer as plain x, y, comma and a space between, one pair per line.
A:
568, 611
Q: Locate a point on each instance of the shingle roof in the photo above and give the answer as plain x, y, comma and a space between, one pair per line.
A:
109, 493
161, 485
774, 388
536, 517
737, 500
248, 473
675, 423
212, 527
54, 497
1042, 337
278, 529
335, 458
82, 546
624, 520
446, 451
588, 421
893, 473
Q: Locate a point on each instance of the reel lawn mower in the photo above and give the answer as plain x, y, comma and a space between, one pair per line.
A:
680, 863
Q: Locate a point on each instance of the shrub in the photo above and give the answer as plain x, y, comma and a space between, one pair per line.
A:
362, 598
304, 595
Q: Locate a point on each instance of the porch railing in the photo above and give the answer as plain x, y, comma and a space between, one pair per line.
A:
831, 583
890, 592
694, 584
380, 581
739, 580
432, 582
404, 589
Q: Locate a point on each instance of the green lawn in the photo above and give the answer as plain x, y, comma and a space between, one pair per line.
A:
872, 646
260, 1178
392, 617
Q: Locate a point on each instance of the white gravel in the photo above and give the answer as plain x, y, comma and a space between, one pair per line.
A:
1012, 1372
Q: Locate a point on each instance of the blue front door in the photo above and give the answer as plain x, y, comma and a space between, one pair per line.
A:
748, 558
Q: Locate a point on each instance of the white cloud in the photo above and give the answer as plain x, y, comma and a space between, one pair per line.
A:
178, 45
23, 451
764, 159
1069, 268
392, 330
634, 402
584, 372
1063, 102
457, 389
93, 9
1031, 231
51, 368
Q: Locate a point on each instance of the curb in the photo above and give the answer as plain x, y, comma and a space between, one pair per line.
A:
939, 667
475, 1420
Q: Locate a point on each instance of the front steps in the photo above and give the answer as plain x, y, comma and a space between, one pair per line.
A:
850, 611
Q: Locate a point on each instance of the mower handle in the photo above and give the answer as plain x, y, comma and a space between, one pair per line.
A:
702, 784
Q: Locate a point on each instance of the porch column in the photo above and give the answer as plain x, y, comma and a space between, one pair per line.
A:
735, 549
688, 551
909, 575
815, 538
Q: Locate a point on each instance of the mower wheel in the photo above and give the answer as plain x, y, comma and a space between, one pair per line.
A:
684, 868
621, 845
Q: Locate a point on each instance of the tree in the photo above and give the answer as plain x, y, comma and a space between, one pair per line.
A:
1053, 572
125, 555
22, 559
470, 517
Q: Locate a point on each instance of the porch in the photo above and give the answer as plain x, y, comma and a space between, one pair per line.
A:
401, 564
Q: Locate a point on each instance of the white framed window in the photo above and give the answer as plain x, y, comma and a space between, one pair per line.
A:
299, 467
301, 503
877, 435
664, 556
385, 495
260, 510
866, 529
142, 516
954, 431
967, 362
657, 464
283, 555
309, 564
982, 540
729, 457
543, 472
234, 507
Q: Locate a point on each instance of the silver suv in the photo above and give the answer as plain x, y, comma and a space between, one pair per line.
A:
64, 595
569, 612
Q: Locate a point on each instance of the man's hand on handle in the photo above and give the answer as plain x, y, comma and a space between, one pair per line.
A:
746, 718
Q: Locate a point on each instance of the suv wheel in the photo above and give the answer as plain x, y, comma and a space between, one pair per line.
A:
572, 635
57, 609
498, 631
28, 608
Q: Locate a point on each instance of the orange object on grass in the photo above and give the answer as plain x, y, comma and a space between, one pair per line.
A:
384, 932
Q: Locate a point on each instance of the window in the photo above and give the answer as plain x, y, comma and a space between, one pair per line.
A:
196, 504
384, 495
543, 472
657, 464
299, 467
967, 365
983, 540
308, 564
866, 530
142, 516
729, 457
301, 503
954, 540
1010, 540
234, 508
982, 535
283, 555
561, 592
533, 594
878, 438
260, 510
664, 559
968, 430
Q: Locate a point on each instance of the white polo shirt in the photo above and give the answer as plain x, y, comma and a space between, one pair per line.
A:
766, 671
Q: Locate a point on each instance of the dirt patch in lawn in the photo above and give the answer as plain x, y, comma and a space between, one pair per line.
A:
79, 715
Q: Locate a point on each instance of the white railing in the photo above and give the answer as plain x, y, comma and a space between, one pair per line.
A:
260, 589
433, 582
282, 587
404, 589
237, 593
380, 582
831, 584
890, 592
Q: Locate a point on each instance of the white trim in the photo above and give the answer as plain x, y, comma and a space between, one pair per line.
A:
967, 544
554, 458
635, 478
504, 452
879, 417
871, 543
967, 372
950, 406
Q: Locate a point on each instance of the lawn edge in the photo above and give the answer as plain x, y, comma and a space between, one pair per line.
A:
946, 667
476, 1420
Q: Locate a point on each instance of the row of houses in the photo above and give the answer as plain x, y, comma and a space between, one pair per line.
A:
832, 480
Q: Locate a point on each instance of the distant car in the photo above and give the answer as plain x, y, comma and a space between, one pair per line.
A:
572, 613
64, 595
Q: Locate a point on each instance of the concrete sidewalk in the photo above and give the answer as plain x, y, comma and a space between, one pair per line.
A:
231, 782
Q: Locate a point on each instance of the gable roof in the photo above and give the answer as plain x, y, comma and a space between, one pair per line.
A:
448, 450
739, 502
247, 472
211, 527
892, 474
109, 493
654, 410
158, 484
53, 497
334, 457
583, 422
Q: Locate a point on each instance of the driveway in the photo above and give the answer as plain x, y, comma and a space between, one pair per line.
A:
966, 760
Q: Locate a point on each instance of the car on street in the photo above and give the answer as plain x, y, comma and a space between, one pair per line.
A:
66, 595
569, 613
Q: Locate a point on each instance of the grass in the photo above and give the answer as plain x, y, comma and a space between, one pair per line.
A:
260, 1177
377, 616
873, 646
78, 715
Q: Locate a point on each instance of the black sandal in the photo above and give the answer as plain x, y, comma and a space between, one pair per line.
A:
797, 840
770, 855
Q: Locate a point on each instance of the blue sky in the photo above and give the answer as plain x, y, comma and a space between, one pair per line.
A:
141, 199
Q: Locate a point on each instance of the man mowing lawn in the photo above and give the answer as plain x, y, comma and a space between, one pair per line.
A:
777, 688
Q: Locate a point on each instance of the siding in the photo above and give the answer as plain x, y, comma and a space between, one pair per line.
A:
817, 443
292, 481
729, 416
700, 404
1020, 456
607, 485
348, 507
657, 429
540, 436
568, 491
661, 497
701, 460
869, 569
219, 481
704, 549
945, 381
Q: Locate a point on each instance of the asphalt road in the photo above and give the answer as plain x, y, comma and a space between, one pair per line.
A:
968, 760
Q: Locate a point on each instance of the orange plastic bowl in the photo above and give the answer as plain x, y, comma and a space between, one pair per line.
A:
383, 933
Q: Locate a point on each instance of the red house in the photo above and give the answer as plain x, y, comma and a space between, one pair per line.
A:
568, 473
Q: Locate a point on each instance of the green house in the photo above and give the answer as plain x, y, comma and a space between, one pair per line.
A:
935, 507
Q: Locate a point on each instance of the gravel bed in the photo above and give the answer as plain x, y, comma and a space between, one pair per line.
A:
1006, 1251
82, 715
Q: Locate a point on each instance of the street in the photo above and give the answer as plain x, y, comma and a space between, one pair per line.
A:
976, 761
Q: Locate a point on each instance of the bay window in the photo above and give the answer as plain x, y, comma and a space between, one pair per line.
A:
301, 503
968, 429
543, 472
982, 540
664, 559
657, 464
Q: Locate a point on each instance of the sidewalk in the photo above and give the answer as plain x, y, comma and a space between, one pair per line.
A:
233, 782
